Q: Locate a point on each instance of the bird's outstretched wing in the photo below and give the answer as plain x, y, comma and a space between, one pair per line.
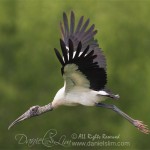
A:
81, 33
83, 63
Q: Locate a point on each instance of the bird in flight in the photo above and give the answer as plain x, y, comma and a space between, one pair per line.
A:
83, 68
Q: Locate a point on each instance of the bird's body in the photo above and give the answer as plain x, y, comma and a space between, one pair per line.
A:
84, 72
77, 95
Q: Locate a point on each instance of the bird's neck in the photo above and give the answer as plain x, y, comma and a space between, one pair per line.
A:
46, 108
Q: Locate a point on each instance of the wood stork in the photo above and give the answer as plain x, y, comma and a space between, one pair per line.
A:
84, 72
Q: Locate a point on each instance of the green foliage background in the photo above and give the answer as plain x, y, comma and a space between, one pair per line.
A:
30, 72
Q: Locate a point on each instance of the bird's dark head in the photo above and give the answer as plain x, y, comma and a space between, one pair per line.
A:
34, 111
31, 112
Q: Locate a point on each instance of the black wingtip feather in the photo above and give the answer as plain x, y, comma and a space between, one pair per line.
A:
64, 50
66, 26
89, 55
90, 30
59, 57
79, 24
85, 51
71, 49
78, 49
85, 26
72, 23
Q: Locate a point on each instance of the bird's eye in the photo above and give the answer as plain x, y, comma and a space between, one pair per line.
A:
33, 110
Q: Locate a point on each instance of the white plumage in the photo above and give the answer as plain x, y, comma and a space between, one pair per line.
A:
77, 95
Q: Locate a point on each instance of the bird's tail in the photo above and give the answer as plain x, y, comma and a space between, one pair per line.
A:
108, 94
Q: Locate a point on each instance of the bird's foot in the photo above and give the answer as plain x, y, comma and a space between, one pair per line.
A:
141, 126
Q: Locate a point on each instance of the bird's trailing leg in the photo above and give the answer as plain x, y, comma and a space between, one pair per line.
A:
138, 124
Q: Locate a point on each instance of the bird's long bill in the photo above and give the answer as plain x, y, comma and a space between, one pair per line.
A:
21, 118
